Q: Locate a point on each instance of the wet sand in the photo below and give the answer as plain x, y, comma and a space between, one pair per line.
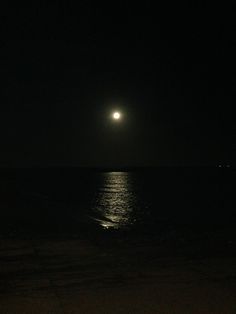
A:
73, 275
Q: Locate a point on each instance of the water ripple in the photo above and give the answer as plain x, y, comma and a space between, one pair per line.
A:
115, 201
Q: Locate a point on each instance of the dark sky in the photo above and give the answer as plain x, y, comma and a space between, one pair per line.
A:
65, 68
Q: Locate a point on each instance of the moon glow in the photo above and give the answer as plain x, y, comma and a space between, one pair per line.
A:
116, 115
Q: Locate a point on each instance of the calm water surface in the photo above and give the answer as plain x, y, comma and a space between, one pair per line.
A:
116, 201
74, 200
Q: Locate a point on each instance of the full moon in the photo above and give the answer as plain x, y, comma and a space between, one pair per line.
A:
116, 115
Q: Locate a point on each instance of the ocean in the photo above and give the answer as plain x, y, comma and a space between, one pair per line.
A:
79, 201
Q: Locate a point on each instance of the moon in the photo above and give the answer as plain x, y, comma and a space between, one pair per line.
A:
116, 115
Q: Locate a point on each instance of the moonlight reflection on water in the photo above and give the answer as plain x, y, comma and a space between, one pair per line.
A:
115, 201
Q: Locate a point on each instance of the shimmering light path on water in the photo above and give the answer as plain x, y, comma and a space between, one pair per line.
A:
115, 201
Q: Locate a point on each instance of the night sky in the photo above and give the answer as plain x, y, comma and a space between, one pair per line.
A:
66, 68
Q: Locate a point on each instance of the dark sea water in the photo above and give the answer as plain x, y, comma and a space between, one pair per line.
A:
147, 201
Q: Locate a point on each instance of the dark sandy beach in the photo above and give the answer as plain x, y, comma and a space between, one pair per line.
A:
73, 275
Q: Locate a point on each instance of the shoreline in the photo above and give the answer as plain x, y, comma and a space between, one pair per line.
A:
56, 275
